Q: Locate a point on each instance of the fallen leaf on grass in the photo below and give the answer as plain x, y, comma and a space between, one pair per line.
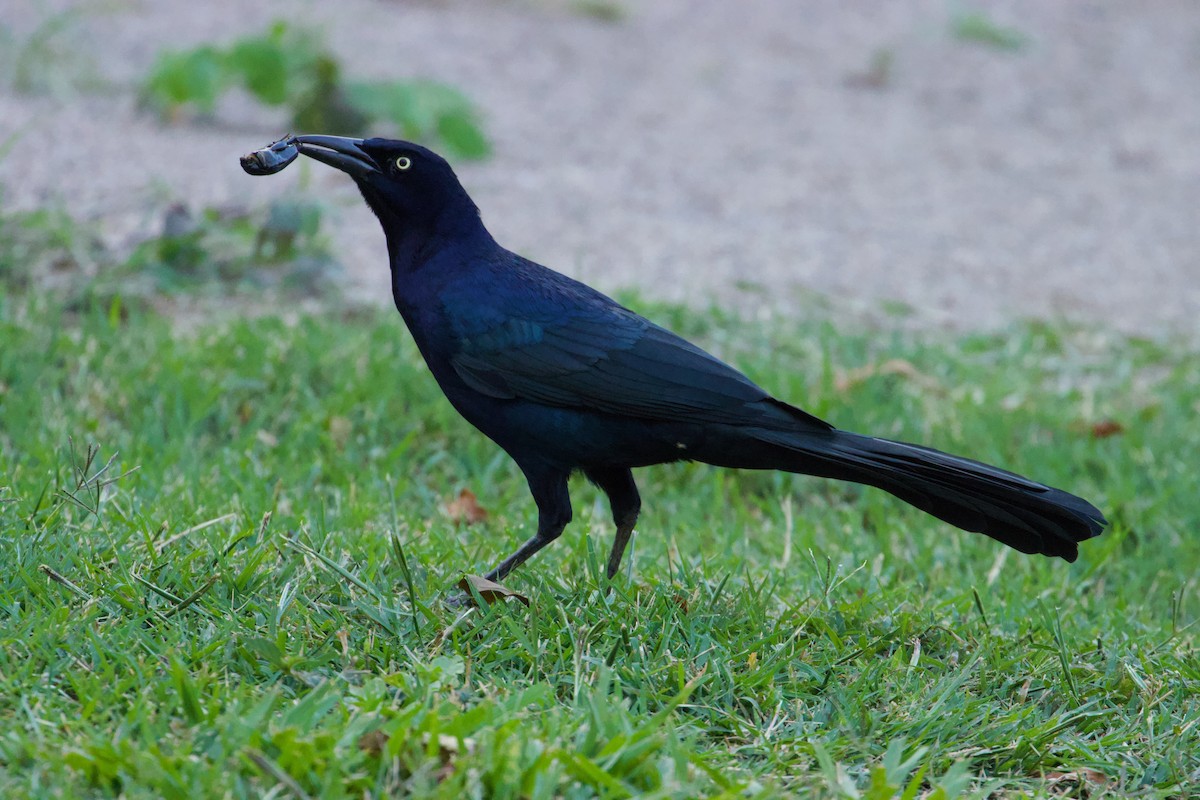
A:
1106, 428
466, 508
449, 748
1078, 776
489, 590
680, 599
849, 379
373, 742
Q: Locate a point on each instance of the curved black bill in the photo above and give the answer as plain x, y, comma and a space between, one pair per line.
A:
341, 152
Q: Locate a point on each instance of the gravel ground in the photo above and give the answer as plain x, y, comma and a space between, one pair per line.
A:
702, 149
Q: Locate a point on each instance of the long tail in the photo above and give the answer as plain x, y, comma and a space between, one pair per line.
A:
1021, 513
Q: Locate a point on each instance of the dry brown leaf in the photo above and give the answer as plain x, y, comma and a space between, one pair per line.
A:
372, 742
490, 591
1080, 776
466, 508
680, 599
448, 746
846, 380
1106, 428
375, 741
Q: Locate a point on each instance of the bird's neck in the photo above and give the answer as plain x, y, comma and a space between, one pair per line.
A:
412, 246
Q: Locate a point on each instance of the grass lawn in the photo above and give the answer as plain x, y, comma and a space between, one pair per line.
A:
246, 600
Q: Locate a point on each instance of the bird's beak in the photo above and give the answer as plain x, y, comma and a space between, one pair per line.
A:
338, 151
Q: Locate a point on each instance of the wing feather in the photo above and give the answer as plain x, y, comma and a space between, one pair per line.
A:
611, 360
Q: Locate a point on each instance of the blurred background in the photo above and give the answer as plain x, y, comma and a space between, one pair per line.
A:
951, 164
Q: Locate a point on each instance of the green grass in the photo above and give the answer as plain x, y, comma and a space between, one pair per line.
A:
254, 610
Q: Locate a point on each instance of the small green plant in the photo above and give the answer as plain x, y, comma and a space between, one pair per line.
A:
291, 67
286, 248
281, 246
976, 26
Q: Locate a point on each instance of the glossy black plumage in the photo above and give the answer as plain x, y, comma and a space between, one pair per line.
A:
565, 379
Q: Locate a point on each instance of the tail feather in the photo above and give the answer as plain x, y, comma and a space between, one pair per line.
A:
1021, 513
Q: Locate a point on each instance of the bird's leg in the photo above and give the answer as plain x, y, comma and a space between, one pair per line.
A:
623, 499
549, 489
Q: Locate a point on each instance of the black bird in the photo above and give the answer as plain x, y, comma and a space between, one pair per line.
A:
565, 379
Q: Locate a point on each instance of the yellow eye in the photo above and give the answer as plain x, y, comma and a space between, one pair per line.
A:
403, 162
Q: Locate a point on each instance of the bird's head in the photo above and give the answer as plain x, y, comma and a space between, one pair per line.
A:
410, 188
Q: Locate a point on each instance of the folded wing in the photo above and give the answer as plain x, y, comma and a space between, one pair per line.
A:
611, 360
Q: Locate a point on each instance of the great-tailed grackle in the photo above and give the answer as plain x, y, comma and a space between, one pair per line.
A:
565, 379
